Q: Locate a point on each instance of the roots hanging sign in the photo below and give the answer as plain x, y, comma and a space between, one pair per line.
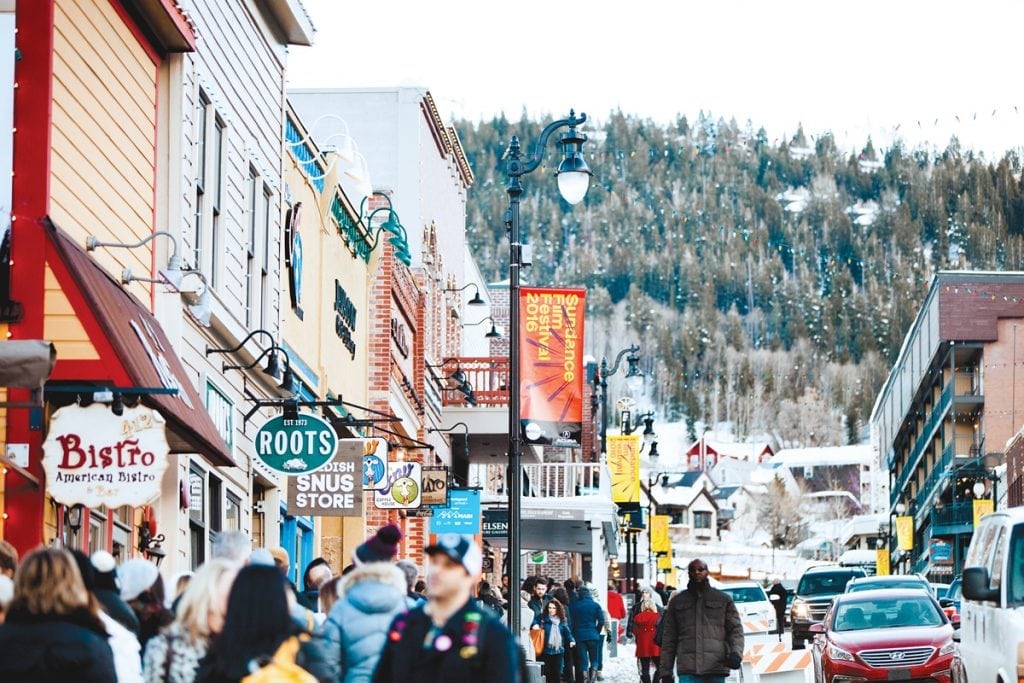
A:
551, 365
94, 457
296, 444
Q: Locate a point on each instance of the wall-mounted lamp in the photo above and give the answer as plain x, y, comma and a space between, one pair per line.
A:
198, 296
392, 225
273, 367
199, 306
149, 545
355, 163
465, 443
477, 300
493, 333
457, 380
242, 343
73, 517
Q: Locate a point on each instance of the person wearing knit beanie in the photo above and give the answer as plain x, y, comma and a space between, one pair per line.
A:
108, 592
381, 547
369, 598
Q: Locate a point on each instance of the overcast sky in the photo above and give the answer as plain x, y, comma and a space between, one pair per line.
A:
875, 67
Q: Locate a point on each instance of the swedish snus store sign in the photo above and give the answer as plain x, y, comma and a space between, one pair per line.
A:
333, 491
297, 444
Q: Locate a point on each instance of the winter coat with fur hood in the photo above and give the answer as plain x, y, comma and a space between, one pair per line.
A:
369, 598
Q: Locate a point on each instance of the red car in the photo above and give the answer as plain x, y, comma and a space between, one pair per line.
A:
885, 635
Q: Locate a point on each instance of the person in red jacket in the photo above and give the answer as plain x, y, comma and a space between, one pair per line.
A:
645, 623
616, 606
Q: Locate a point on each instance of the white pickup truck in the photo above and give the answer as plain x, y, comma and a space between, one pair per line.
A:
992, 609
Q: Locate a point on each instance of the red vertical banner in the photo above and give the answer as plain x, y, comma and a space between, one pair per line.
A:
551, 365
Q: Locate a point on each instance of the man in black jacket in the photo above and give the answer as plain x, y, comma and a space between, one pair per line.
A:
450, 638
702, 636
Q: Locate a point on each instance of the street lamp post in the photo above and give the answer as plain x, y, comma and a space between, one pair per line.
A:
633, 377
573, 182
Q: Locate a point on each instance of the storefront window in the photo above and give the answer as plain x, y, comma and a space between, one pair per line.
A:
197, 516
121, 533
259, 497
215, 497
97, 530
233, 513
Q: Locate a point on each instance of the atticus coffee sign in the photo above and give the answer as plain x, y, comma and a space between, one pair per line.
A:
94, 457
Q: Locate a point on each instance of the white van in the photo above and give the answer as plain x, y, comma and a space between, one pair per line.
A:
992, 610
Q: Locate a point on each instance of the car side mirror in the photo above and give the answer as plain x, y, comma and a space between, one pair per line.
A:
975, 585
817, 628
946, 602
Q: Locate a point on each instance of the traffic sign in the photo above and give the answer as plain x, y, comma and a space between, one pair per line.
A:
296, 444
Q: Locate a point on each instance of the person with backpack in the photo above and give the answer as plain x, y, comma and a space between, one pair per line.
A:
260, 642
450, 639
645, 624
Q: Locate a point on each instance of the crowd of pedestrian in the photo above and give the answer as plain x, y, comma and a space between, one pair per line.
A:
66, 616
238, 619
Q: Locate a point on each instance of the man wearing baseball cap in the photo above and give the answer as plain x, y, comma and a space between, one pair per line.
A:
450, 638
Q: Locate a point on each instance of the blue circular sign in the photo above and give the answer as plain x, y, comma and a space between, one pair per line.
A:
373, 472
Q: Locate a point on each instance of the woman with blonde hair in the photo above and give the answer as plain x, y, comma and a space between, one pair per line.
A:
173, 656
53, 631
645, 623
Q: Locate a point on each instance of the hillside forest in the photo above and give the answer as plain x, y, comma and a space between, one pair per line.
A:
769, 284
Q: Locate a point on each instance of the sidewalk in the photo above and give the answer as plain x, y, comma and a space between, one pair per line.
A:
621, 668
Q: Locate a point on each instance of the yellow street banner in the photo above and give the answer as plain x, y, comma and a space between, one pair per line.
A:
982, 506
670, 577
905, 532
665, 562
624, 464
882, 562
659, 534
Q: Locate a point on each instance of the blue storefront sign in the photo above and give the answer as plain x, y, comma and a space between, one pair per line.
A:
462, 516
942, 552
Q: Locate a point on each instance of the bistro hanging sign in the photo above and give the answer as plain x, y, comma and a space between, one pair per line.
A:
94, 457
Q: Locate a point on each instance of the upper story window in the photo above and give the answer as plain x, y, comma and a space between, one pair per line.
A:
701, 519
257, 251
208, 240
250, 246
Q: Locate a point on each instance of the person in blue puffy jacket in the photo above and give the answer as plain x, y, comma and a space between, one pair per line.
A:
369, 598
587, 621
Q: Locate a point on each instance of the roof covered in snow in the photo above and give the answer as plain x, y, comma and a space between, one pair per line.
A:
863, 454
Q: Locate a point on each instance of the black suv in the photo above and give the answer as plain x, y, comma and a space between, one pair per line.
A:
813, 596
